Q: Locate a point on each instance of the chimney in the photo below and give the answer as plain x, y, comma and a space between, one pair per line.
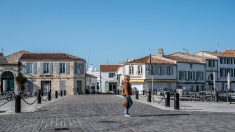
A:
160, 52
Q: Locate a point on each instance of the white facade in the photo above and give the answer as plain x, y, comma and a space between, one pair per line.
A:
224, 63
163, 76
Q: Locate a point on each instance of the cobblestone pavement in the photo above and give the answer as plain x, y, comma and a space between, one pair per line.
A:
105, 113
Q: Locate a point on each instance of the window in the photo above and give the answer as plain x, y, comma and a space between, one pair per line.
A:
161, 70
183, 75
81, 68
29, 68
199, 75
131, 69
190, 75
228, 61
180, 75
45, 67
225, 61
221, 60
62, 67
111, 75
169, 70
140, 69
191, 65
211, 63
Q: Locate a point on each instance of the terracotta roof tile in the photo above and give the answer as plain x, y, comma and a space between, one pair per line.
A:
181, 59
109, 68
49, 56
221, 54
146, 59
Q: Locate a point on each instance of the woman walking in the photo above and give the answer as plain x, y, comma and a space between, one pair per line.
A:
127, 92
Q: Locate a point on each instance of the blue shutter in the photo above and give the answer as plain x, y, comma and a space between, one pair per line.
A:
76, 68
35, 68
51, 68
82, 68
67, 68
24, 68
30, 86
57, 68
41, 68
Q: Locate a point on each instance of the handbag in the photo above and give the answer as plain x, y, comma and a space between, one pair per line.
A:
125, 103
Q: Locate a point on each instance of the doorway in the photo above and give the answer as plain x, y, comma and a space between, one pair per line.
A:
45, 87
7, 81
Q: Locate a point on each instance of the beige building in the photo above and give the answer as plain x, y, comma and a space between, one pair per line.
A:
53, 71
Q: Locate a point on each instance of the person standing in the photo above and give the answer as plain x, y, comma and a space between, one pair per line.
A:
127, 92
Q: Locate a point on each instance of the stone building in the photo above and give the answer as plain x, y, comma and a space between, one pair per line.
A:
8, 72
55, 71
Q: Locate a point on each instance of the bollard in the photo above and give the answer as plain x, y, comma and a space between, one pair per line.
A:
49, 95
56, 94
149, 97
136, 94
18, 104
143, 92
61, 93
216, 96
176, 102
167, 99
39, 98
118, 92
64, 92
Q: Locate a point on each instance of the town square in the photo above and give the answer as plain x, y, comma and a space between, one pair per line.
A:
129, 66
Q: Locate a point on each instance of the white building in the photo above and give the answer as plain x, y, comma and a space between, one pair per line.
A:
108, 78
91, 84
221, 63
163, 75
190, 72
92, 71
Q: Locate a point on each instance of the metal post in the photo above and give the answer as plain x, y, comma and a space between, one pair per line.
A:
136, 94
216, 96
152, 86
64, 92
176, 102
18, 104
149, 96
49, 95
61, 93
56, 94
39, 98
167, 99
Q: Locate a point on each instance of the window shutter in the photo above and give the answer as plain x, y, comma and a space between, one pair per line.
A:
51, 68
83, 68
24, 68
75, 67
57, 68
35, 68
41, 68
67, 68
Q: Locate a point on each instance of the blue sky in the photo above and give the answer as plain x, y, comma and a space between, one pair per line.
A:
111, 31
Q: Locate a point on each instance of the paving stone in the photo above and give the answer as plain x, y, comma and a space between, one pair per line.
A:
105, 113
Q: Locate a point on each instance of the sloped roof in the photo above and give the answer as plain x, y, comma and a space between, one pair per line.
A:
2, 59
13, 58
191, 55
109, 68
146, 59
182, 60
49, 56
91, 76
221, 54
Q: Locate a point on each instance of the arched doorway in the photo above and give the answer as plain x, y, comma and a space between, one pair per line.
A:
7, 81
